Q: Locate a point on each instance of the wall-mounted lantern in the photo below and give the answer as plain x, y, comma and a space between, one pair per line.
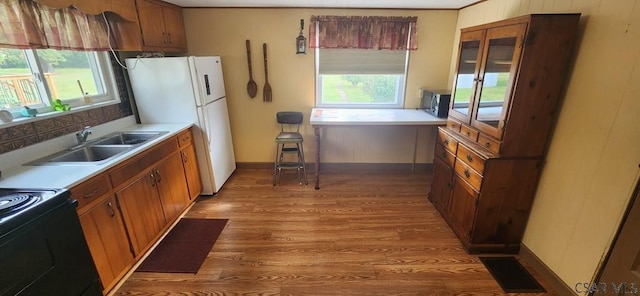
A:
301, 42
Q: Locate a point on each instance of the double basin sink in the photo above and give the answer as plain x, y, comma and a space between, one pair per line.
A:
99, 150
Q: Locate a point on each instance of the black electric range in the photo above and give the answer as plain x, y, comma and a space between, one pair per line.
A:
43, 250
17, 206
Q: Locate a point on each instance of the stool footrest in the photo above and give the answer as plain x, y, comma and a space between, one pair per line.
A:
289, 150
289, 165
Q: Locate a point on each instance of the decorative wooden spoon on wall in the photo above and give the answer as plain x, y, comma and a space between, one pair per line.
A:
267, 88
252, 87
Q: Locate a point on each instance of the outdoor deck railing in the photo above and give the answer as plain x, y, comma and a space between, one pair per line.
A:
20, 90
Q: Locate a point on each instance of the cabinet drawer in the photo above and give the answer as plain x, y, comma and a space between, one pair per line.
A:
127, 171
468, 174
453, 125
489, 143
471, 158
90, 190
445, 155
185, 138
469, 132
447, 141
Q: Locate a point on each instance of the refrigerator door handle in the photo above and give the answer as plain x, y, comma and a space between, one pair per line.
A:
207, 127
206, 84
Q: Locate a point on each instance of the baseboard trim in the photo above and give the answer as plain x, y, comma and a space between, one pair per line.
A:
334, 166
545, 272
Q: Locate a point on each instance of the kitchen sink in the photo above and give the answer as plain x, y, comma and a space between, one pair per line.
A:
87, 155
127, 138
91, 153
99, 150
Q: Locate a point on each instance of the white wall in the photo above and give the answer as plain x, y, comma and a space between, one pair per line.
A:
223, 31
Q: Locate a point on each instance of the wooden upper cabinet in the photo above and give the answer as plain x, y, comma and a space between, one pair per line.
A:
174, 27
151, 23
161, 25
501, 55
137, 25
509, 81
126, 9
487, 66
469, 59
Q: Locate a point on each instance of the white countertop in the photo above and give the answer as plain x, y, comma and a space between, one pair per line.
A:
66, 176
333, 116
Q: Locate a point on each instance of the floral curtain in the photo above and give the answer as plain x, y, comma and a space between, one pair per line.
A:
27, 24
363, 32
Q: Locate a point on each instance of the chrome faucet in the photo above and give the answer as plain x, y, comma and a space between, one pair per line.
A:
82, 135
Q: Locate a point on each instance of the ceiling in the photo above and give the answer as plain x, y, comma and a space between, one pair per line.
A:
393, 4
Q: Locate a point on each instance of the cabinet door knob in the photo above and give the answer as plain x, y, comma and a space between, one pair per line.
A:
467, 173
469, 158
445, 142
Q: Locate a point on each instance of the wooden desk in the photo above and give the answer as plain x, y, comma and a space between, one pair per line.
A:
325, 117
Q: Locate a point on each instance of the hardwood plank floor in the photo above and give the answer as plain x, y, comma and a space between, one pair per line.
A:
363, 233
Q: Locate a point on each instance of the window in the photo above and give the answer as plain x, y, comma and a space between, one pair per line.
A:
356, 78
37, 78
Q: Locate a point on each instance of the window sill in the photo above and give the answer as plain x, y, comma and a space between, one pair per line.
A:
52, 114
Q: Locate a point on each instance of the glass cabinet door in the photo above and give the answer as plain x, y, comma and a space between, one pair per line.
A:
502, 53
470, 53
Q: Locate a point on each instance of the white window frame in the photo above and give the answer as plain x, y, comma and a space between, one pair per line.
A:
401, 86
102, 70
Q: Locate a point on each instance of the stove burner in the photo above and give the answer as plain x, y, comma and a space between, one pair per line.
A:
16, 201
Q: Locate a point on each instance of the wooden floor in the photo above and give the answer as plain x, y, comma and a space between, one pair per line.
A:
362, 233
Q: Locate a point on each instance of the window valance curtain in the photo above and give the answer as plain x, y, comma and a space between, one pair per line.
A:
363, 32
27, 24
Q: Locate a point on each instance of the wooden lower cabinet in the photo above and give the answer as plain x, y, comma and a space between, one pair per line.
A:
441, 184
126, 209
191, 171
485, 198
142, 212
172, 186
462, 208
105, 234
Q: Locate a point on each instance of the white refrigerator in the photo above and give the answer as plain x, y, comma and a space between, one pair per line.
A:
191, 90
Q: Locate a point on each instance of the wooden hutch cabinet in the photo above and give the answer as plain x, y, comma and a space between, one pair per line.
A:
508, 83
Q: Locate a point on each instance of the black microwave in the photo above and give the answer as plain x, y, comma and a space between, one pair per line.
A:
435, 102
